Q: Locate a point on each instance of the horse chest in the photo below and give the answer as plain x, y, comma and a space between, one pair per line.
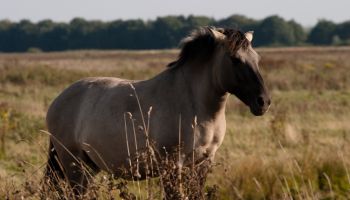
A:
208, 138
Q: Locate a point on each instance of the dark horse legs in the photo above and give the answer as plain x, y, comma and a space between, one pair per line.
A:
75, 167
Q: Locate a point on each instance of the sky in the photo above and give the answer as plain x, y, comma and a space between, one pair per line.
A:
306, 12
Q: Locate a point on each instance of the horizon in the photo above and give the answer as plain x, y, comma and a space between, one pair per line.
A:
175, 15
109, 10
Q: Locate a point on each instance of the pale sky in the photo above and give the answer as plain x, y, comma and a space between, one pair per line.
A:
306, 12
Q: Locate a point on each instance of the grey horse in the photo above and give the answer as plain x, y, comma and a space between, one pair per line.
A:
94, 119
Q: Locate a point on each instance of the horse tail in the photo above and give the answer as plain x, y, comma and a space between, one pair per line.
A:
54, 172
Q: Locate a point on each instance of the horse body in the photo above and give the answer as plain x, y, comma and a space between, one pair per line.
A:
92, 111
90, 119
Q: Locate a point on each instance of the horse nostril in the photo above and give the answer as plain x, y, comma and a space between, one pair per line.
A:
260, 101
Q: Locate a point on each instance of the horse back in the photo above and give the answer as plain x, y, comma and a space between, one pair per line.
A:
64, 110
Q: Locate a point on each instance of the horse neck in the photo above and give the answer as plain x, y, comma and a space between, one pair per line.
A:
207, 99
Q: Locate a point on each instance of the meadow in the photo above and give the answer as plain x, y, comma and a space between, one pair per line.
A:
299, 150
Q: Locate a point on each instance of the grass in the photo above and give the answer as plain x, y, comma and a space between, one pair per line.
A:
299, 150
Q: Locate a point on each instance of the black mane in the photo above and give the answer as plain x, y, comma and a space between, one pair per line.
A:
201, 43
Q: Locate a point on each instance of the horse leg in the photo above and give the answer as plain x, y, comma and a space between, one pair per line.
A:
54, 172
71, 165
80, 171
65, 166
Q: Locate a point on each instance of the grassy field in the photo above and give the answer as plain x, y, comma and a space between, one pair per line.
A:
299, 150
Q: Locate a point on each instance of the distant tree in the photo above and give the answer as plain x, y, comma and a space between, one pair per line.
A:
197, 21
343, 32
192, 22
167, 31
299, 32
5, 25
23, 35
131, 34
43, 41
238, 22
163, 32
79, 29
94, 35
274, 31
45, 25
322, 33
110, 37
6, 40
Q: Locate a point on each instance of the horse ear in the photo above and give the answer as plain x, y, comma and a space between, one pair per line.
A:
217, 33
249, 35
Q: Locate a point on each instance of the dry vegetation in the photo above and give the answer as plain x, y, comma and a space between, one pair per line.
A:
299, 150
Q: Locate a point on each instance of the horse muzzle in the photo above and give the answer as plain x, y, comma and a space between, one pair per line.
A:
260, 106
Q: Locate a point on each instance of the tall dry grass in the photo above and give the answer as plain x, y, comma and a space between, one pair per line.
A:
299, 150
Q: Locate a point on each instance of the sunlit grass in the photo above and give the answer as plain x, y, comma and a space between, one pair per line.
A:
299, 150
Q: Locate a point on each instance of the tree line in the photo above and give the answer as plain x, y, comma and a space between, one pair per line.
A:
161, 33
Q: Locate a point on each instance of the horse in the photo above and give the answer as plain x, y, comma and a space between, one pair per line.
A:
94, 120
